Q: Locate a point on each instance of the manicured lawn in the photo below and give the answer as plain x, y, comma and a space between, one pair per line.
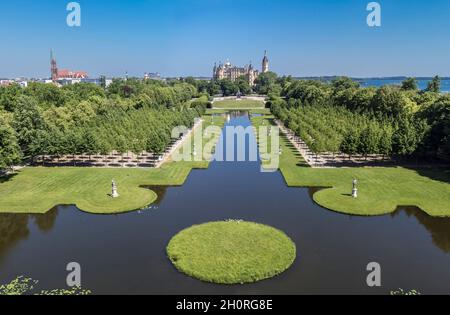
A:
381, 190
262, 111
235, 104
38, 189
231, 252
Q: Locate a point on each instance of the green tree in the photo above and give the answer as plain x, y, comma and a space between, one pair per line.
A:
368, 141
350, 143
410, 84
407, 135
385, 144
47, 95
27, 121
10, 153
243, 85
434, 85
264, 83
9, 95
344, 83
389, 101
228, 87
438, 136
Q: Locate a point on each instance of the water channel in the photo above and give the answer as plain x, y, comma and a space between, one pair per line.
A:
125, 254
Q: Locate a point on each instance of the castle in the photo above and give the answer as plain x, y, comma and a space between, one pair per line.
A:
228, 71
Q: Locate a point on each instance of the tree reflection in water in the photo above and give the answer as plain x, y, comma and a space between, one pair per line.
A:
14, 228
439, 228
160, 191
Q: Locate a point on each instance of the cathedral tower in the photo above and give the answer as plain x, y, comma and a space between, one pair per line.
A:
54, 67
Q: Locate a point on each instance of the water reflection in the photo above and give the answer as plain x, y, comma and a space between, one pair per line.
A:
15, 228
160, 192
439, 228
45, 222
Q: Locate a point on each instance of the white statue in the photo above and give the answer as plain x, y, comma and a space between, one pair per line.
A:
114, 192
355, 189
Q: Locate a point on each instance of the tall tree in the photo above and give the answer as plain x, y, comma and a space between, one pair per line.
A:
265, 82
434, 85
410, 84
343, 83
27, 121
350, 143
10, 153
243, 85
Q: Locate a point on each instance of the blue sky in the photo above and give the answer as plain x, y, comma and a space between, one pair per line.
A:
186, 37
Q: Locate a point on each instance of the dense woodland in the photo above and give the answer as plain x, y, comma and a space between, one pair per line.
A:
134, 116
340, 116
128, 116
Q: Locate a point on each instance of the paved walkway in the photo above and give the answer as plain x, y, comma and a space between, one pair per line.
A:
177, 144
335, 160
116, 159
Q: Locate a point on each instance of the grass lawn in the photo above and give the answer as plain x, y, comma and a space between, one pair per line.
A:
231, 252
235, 104
261, 111
38, 189
381, 190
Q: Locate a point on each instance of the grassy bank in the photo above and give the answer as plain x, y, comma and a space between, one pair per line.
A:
38, 189
231, 252
381, 190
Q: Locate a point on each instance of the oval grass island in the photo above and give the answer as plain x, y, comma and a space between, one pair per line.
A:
231, 252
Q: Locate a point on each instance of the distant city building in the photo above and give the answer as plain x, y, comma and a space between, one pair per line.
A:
21, 82
6, 82
152, 76
64, 74
228, 71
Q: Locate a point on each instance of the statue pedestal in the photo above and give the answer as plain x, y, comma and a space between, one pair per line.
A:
355, 193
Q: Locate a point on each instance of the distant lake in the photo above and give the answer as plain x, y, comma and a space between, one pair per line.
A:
423, 83
378, 82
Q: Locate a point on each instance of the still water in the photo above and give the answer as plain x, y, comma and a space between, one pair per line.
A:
125, 254
421, 83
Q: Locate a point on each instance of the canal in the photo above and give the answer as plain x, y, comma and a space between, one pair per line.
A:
125, 254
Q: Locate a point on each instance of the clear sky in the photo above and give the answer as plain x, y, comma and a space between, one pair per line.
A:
186, 37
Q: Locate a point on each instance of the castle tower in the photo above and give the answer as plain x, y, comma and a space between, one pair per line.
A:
252, 75
215, 71
220, 72
265, 63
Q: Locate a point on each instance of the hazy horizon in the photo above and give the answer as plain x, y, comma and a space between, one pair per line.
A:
184, 38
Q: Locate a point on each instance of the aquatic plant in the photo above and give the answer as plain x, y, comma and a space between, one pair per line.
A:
25, 286
403, 292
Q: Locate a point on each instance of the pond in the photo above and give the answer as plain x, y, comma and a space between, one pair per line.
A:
125, 254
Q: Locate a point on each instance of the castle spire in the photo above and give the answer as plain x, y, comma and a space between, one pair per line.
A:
265, 63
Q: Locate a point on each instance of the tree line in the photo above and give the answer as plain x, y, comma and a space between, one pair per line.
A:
265, 84
129, 116
342, 116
